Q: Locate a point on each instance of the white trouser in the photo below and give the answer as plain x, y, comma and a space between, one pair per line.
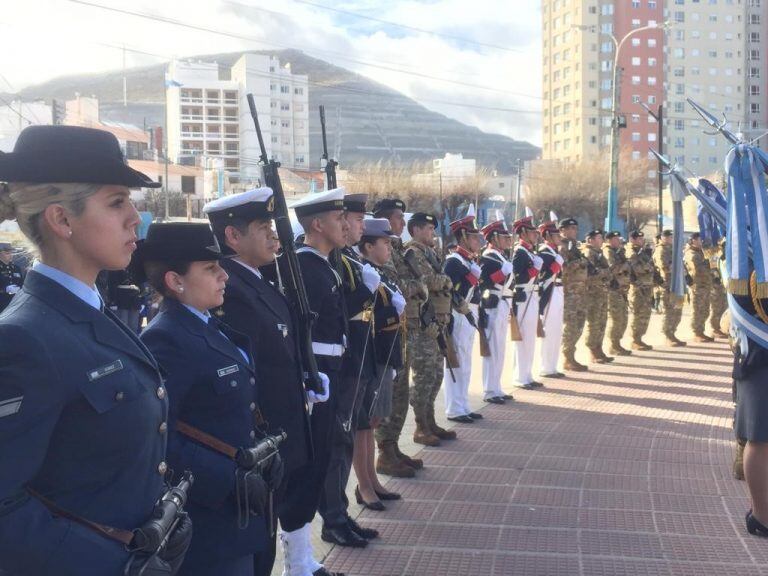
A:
457, 393
527, 320
553, 332
493, 365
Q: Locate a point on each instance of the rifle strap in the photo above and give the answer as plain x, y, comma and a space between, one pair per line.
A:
207, 440
124, 537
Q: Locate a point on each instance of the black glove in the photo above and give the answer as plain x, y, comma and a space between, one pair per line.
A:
274, 472
258, 493
155, 566
178, 543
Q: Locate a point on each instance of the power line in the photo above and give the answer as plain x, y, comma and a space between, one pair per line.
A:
398, 25
337, 55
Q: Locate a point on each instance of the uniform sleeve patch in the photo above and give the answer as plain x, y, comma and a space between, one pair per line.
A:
10, 406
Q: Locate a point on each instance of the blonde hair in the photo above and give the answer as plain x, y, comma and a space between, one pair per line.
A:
25, 202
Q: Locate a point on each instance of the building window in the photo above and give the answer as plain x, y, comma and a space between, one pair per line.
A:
754, 107
298, 91
635, 136
285, 106
636, 61
285, 89
754, 37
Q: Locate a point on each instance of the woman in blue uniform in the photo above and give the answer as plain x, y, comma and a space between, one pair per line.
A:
83, 408
212, 388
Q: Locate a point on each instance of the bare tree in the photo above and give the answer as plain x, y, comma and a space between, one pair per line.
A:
582, 189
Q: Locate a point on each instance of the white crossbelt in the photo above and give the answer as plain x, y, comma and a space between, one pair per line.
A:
325, 349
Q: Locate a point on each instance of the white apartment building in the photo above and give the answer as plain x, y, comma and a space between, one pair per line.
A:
208, 114
716, 57
16, 116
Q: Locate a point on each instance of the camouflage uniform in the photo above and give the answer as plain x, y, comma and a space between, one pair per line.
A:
718, 300
640, 291
697, 265
618, 289
598, 278
673, 309
415, 293
425, 356
574, 290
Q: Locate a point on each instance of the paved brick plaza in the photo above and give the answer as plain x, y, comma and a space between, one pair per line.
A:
623, 470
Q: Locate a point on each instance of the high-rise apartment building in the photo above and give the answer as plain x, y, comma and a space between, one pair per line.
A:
709, 51
208, 114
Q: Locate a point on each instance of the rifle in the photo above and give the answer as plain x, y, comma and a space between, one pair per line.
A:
485, 348
255, 460
153, 536
294, 283
326, 163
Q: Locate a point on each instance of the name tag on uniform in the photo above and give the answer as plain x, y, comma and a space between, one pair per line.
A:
227, 371
97, 373
10, 406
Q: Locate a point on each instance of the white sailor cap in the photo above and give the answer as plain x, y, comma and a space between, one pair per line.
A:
255, 204
355, 202
321, 202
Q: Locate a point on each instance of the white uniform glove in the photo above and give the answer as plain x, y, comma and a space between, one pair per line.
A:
507, 268
371, 278
537, 262
559, 259
398, 302
12, 289
315, 397
475, 269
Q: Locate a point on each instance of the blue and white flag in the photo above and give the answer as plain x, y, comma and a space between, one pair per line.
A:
709, 228
170, 82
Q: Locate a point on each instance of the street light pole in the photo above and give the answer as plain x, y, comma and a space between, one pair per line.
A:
612, 215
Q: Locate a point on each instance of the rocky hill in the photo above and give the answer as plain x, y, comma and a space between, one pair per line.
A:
367, 121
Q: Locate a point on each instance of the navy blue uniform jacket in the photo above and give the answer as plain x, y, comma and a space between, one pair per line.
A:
81, 413
213, 388
254, 307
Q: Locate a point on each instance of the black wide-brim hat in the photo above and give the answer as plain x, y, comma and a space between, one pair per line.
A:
70, 154
177, 242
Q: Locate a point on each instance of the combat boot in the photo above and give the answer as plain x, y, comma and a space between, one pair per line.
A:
640, 345
415, 463
603, 355
674, 342
717, 333
597, 355
703, 338
388, 463
423, 433
738, 461
572, 365
438, 431
618, 350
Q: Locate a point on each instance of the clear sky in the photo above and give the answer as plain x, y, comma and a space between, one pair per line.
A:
482, 54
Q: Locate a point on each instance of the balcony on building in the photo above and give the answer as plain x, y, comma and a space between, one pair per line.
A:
191, 130
231, 149
230, 115
191, 96
212, 96
191, 113
230, 97
213, 114
231, 133
232, 164
213, 131
213, 148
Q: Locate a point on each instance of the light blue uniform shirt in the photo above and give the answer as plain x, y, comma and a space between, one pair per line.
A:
87, 294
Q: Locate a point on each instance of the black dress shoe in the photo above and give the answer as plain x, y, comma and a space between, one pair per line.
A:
388, 495
536, 384
376, 506
475, 416
755, 527
526, 386
343, 536
464, 419
508, 397
367, 533
496, 400
553, 375
322, 571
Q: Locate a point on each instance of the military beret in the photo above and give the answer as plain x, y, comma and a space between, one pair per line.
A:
667, 233
695, 235
565, 222
388, 204
592, 233
423, 218
636, 234
612, 234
